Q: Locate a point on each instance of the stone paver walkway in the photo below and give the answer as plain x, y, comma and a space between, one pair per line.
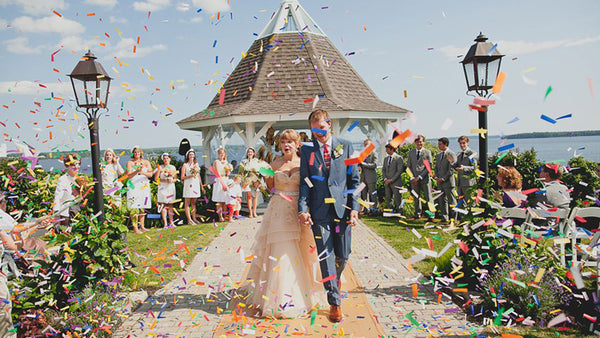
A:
190, 305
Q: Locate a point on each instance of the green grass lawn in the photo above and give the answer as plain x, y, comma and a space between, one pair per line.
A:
163, 250
402, 239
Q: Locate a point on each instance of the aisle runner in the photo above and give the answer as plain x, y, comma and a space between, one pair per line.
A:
359, 319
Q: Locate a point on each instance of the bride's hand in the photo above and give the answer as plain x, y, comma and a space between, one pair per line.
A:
305, 219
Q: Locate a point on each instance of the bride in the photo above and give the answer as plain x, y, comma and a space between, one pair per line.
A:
282, 278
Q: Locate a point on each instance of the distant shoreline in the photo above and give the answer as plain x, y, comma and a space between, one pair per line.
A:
554, 134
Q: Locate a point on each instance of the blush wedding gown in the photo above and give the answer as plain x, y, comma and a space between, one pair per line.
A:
282, 281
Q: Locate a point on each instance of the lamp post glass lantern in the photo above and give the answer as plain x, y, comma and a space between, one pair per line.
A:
481, 66
91, 86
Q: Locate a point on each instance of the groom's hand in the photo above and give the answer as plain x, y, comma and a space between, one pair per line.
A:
353, 217
305, 219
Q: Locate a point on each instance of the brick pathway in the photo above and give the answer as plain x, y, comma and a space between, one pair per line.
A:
190, 305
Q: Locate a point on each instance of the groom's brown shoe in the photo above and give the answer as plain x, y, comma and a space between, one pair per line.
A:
335, 313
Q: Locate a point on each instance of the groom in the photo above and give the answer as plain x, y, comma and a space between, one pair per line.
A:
327, 205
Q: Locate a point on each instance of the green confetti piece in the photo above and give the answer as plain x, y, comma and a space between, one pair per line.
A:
266, 172
412, 320
313, 316
498, 319
500, 157
548, 91
521, 284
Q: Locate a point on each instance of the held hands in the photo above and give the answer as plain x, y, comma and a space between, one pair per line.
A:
439, 180
353, 217
414, 180
305, 219
387, 181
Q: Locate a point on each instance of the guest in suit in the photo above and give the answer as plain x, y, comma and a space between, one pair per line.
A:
465, 165
557, 194
444, 176
368, 175
421, 182
393, 166
326, 206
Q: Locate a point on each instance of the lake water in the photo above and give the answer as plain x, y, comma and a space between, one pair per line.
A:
559, 149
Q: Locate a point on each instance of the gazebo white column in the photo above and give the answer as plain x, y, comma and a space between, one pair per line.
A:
207, 135
381, 129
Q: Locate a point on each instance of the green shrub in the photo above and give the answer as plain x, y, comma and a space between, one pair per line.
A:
582, 178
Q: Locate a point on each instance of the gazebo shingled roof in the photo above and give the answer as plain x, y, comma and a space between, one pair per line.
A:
282, 75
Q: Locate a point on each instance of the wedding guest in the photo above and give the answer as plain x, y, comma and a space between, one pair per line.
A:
421, 180
235, 167
111, 170
557, 194
368, 175
192, 185
139, 172
235, 196
465, 166
220, 195
510, 182
444, 177
166, 175
252, 183
65, 193
393, 166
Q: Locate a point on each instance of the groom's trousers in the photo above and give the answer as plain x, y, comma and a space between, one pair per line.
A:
333, 244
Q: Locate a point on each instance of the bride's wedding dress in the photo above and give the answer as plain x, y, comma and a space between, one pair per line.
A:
282, 280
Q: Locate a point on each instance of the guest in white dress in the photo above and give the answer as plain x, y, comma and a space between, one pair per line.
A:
111, 170
251, 185
192, 185
66, 191
166, 175
282, 280
139, 172
222, 168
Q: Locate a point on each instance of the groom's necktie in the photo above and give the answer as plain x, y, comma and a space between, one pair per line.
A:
418, 154
326, 157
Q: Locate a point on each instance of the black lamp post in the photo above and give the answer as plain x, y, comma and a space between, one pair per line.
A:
91, 85
481, 66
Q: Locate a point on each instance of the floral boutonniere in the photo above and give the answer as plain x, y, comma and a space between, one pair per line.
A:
338, 151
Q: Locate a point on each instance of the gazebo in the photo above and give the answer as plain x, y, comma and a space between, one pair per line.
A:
291, 69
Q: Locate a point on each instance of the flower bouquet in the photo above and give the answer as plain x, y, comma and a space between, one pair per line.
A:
253, 173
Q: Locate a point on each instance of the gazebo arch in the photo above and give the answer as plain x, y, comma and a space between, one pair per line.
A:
291, 69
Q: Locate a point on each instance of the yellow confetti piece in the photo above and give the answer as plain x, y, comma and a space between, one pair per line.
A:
329, 200
539, 275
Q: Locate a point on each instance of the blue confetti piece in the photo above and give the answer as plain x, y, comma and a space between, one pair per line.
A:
199, 10
318, 131
513, 120
307, 144
217, 59
564, 117
506, 147
349, 172
318, 178
492, 49
215, 44
354, 125
350, 191
548, 119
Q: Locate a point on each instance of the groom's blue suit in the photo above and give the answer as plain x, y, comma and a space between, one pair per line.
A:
330, 220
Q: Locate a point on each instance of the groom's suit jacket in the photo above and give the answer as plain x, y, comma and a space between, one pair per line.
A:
327, 183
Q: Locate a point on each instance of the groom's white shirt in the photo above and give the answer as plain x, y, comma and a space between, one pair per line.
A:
329, 143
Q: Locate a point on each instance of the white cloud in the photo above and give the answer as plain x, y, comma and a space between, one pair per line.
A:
212, 6
150, 5
3, 24
34, 88
124, 49
183, 7
195, 19
21, 45
75, 42
50, 24
522, 47
114, 19
37, 7
104, 3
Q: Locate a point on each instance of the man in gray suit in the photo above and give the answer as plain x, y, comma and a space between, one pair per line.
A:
465, 165
444, 176
368, 175
393, 166
421, 182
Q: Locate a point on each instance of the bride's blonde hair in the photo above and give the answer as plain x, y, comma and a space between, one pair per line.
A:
290, 135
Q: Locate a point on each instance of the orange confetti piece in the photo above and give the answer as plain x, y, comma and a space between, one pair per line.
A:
91, 14
56, 70
497, 88
102, 44
364, 28
169, 109
510, 335
400, 138
327, 279
415, 290
463, 290
134, 48
57, 13
154, 269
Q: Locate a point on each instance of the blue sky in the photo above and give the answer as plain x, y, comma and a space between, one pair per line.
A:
404, 45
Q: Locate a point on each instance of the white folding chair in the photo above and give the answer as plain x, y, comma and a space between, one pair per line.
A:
561, 217
514, 213
590, 253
